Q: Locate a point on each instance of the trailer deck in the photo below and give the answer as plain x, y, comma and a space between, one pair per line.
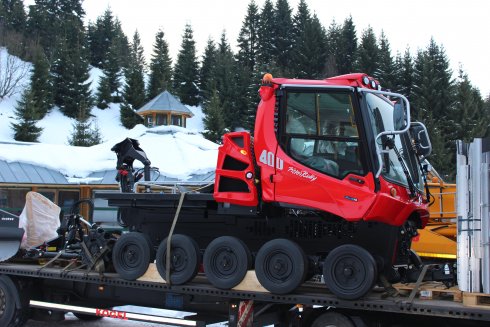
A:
109, 287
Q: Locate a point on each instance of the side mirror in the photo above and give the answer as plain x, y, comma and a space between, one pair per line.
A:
420, 137
399, 116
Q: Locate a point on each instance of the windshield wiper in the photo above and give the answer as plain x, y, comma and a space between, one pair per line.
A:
390, 143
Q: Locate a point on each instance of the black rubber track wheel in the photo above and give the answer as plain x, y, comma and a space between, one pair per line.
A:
281, 266
226, 261
350, 271
185, 260
14, 312
131, 255
332, 319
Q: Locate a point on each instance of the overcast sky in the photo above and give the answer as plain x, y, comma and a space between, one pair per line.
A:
462, 27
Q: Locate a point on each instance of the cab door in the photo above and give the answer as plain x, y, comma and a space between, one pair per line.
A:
321, 153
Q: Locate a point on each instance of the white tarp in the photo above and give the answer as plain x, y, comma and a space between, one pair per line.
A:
40, 219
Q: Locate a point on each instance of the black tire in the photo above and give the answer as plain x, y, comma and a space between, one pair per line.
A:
350, 271
226, 261
186, 258
131, 255
281, 266
85, 317
14, 312
332, 319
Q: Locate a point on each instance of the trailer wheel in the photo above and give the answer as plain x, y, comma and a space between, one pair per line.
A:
226, 261
332, 319
131, 255
86, 317
281, 266
184, 262
349, 271
13, 311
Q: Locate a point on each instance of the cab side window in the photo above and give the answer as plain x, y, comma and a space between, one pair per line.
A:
320, 132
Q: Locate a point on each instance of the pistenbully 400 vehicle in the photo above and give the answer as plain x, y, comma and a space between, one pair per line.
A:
331, 184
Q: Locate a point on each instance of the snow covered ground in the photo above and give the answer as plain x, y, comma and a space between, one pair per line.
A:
178, 152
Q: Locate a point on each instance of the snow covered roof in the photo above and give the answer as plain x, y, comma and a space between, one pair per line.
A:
178, 153
165, 102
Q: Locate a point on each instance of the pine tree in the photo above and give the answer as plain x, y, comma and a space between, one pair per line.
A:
282, 41
108, 90
334, 36
41, 85
367, 53
15, 16
134, 90
385, 72
347, 47
213, 121
300, 21
468, 115
83, 133
265, 39
311, 55
224, 73
160, 67
186, 71
432, 100
404, 74
207, 81
247, 39
26, 116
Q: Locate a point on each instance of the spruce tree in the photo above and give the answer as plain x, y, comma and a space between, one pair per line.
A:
14, 15
247, 38
26, 114
432, 100
265, 39
367, 53
300, 21
134, 89
224, 73
83, 133
160, 67
186, 71
41, 84
334, 36
404, 74
311, 51
108, 89
468, 115
206, 74
214, 123
347, 47
385, 73
282, 41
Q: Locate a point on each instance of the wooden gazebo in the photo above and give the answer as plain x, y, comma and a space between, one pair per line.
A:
164, 109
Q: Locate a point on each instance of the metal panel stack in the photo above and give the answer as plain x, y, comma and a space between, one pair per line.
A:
473, 198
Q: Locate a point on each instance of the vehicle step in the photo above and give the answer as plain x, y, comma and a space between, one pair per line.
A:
432, 290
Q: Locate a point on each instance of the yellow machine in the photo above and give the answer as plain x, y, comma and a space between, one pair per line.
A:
438, 239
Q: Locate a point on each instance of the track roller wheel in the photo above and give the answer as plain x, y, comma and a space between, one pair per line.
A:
332, 319
184, 262
281, 266
226, 261
131, 255
350, 271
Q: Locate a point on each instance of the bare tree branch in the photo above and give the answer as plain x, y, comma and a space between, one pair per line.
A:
12, 75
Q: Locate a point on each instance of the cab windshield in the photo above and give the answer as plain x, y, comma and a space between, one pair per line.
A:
398, 150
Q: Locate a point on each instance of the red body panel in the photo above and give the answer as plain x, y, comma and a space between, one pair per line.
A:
236, 147
285, 180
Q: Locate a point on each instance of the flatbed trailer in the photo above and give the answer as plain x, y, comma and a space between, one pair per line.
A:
26, 288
